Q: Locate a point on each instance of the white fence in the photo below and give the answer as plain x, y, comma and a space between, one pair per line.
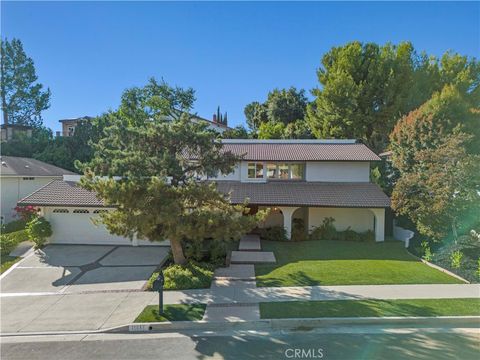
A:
402, 234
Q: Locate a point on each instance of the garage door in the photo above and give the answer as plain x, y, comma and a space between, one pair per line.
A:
74, 226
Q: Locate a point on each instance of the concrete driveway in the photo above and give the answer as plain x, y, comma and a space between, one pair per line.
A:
83, 268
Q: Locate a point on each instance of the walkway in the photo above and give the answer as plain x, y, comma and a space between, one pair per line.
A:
90, 311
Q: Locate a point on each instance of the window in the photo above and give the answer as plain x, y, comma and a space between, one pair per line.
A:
28, 178
64, 211
255, 171
272, 172
283, 172
286, 171
81, 211
297, 171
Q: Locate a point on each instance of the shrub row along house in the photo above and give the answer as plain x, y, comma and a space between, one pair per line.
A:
302, 181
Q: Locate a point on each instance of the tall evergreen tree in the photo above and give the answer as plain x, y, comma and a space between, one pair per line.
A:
23, 99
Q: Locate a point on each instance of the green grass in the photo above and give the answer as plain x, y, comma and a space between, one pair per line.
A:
344, 263
370, 308
7, 262
190, 276
175, 312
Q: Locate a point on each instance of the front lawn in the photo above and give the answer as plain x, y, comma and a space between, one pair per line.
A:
370, 308
174, 312
7, 262
344, 263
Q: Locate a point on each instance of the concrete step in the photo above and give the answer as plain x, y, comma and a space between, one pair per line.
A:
250, 242
236, 272
252, 257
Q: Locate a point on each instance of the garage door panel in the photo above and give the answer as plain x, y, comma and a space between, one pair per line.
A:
78, 228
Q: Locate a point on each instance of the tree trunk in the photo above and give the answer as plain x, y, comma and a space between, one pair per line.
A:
177, 252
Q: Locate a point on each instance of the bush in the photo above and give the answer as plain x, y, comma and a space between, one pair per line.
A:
27, 213
274, 233
327, 231
210, 250
193, 275
427, 253
299, 233
38, 230
456, 259
9, 241
15, 225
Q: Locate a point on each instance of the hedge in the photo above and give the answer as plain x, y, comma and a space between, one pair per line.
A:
9, 241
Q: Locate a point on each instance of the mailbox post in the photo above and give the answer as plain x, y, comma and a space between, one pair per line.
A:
158, 286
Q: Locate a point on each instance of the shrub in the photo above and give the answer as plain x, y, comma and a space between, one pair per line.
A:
27, 213
9, 241
193, 275
298, 230
38, 230
326, 231
274, 233
478, 268
13, 226
456, 259
427, 253
212, 251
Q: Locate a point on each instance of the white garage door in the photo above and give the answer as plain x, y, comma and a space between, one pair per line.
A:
74, 226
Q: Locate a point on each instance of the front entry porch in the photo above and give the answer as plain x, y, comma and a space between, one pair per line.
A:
357, 219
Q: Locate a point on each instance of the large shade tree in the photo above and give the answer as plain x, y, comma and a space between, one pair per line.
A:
150, 163
365, 88
442, 187
23, 98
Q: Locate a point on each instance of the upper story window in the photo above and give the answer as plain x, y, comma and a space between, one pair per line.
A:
286, 171
255, 170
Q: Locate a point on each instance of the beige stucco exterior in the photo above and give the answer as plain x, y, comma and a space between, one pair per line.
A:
15, 188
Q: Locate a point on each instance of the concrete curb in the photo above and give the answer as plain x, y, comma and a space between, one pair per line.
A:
267, 324
277, 324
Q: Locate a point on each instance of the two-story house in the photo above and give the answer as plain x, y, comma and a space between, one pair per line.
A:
304, 179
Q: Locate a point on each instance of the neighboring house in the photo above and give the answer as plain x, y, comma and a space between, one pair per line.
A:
69, 125
8, 131
20, 177
297, 179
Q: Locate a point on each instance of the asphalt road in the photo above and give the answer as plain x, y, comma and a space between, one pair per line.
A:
344, 344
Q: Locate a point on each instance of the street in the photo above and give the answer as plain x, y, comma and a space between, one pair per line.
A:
333, 343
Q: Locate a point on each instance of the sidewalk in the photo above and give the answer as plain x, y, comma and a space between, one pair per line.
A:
91, 311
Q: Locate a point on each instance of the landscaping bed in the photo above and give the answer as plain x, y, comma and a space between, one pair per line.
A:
326, 262
370, 308
7, 262
174, 312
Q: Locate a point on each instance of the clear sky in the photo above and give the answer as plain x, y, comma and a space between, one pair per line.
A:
230, 53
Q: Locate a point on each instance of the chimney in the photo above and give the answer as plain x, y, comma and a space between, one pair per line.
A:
214, 118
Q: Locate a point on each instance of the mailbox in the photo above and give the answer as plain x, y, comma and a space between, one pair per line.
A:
158, 282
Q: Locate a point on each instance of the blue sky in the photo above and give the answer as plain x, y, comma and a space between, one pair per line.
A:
230, 53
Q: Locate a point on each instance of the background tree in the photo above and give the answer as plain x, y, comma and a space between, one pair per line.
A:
238, 132
441, 188
158, 162
282, 106
256, 114
23, 99
427, 126
366, 88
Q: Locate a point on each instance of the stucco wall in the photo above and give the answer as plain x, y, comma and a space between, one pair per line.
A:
341, 171
14, 189
359, 220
